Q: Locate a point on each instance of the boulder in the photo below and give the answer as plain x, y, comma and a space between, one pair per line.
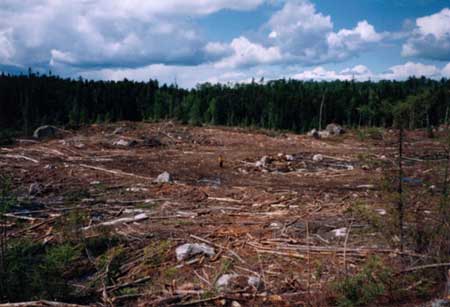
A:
324, 134
314, 133
189, 250
335, 129
164, 178
44, 132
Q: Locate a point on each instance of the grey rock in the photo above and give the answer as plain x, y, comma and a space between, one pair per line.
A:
164, 178
35, 189
314, 133
45, 132
189, 250
335, 129
440, 303
289, 158
324, 134
124, 143
263, 162
317, 158
225, 280
254, 281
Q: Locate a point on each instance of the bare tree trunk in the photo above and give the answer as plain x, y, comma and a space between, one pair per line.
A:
400, 206
320, 111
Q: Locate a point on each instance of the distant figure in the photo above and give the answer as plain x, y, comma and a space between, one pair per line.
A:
220, 161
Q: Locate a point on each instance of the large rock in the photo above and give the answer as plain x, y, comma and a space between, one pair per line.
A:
189, 250
314, 133
324, 134
335, 129
45, 132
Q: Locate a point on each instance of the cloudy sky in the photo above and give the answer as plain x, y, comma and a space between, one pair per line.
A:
192, 41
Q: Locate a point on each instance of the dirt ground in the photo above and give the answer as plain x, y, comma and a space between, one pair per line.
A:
292, 221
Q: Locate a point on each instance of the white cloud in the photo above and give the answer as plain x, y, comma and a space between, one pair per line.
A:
430, 38
355, 38
106, 33
362, 73
446, 71
246, 53
7, 49
297, 33
410, 69
359, 72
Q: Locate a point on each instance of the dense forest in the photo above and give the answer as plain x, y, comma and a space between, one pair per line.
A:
27, 101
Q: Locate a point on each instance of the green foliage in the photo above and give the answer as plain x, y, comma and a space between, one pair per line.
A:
34, 271
279, 104
365, 287
156, 253
373, 133
6, 137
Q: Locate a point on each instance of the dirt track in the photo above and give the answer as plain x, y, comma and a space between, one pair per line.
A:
276, 222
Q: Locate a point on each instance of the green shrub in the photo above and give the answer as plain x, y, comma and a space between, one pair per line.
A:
6, 137
364, 287
34, 271
373, 133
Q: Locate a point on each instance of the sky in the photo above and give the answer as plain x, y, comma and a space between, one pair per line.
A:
227, 41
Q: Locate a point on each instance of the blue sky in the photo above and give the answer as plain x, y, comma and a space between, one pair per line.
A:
194, 41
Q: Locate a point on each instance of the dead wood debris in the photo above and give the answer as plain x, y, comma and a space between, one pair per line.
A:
260, 224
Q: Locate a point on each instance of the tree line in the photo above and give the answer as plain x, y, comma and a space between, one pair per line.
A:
30, 100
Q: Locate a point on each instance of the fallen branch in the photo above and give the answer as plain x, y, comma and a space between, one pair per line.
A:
41, 303
21, 157
219, 246
288, 254
136, 218
128, 284
114, 172
426, 266
198, 302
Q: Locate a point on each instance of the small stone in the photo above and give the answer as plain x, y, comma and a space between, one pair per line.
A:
35, 189
255, 281
340, 232
380, 211
235, 304
289, 158
318, 158
164, 178
224, 281
125, 143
